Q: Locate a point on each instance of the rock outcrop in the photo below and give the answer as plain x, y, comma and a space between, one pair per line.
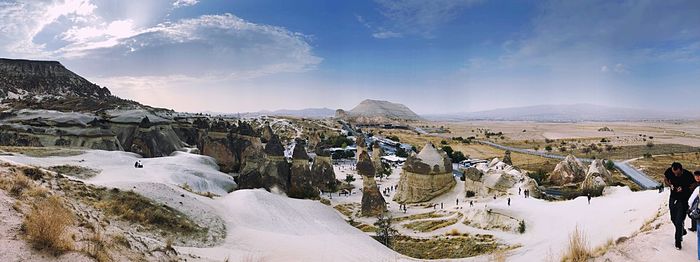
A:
497, 178
507, 159
323, 175
570, 170
425, 176
300, 179
373, 202
277, 169
597, 177
377, 154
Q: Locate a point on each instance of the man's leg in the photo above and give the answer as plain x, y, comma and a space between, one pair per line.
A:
674, 207
696, 222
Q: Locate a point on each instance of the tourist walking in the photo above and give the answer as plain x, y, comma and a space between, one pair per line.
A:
471, 203
458, 201
441, 205
680, 181
693, 203
589, 198
509, 201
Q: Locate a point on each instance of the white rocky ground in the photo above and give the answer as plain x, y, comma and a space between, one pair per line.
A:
260, 226
619, 213
263, 226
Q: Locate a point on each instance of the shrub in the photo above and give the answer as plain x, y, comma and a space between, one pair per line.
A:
47, 225
19, 185
578, 250
521, 227
470, 193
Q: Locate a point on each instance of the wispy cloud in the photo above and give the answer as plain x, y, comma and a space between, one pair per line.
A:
418, 17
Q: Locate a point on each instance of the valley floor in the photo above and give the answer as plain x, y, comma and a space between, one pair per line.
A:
254, 225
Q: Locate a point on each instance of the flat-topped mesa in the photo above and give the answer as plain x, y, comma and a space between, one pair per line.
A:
27, 80
373, 202
301, 185
425, 176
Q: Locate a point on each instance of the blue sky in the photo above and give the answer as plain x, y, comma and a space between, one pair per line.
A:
439, 56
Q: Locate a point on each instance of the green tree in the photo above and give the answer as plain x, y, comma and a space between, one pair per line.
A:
385, 230
349, 178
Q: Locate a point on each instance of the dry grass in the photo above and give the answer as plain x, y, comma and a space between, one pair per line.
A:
41, 151
655, 166
578, 250
499, 256
98, 247
47, 225
445, 247
431, 214
432, 225
75, 171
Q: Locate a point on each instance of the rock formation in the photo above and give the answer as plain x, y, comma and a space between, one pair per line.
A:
300, 179
425, 176
323, 175
571, 170
496, 178
277, 170
361, 145
597, 177
507, 159
373, 202
377, 154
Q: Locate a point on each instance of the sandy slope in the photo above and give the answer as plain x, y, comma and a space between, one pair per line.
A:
268, 227
655, 245
259, 225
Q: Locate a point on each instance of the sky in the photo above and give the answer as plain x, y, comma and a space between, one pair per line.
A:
439, 56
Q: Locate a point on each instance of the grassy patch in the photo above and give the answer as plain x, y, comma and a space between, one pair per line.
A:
132, 207
445, 247
41, 151
432, 214
135, 208
346, 209
75, 171
655, 166
432, 225
208, 194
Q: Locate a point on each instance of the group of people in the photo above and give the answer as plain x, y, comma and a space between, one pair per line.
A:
138, 164
527, 192
684, 191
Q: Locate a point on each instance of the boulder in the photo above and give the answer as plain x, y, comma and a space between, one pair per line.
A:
570, 170
597, 176
373, 202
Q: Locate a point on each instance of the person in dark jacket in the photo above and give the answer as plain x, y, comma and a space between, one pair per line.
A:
680, 181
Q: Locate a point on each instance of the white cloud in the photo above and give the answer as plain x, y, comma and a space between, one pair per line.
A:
386, 34
82, 34
419, 17
20, 22
213, 45
182, 3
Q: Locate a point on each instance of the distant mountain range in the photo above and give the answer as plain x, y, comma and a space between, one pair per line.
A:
303, 113
566, 113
